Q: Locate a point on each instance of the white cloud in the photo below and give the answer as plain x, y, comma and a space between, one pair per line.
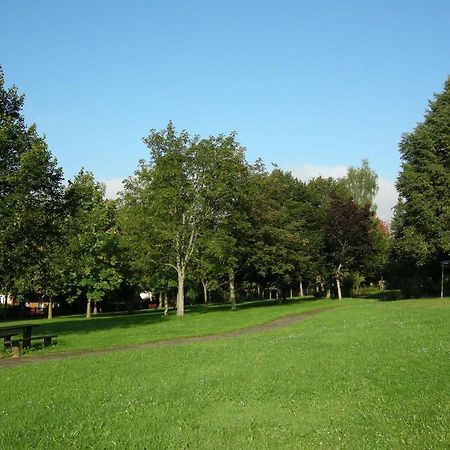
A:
306, 172
113, 187
385, 199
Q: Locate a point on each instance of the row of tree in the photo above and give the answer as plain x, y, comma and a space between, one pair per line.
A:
199, 210
198, 217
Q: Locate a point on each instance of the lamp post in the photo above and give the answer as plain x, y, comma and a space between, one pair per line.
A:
444, 263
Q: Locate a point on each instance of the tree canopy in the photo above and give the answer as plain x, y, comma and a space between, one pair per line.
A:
422, 221
31, 200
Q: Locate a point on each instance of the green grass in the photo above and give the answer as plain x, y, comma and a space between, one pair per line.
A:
108, 330
368, 374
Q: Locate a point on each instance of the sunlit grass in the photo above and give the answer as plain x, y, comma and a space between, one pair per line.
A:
366, 375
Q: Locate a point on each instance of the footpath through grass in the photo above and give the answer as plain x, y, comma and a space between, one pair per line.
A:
368, 374
109, 330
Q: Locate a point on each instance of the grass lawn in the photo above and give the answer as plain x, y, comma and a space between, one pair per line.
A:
107, 330
368, 374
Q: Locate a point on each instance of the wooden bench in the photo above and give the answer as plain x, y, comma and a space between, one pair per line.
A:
47, 339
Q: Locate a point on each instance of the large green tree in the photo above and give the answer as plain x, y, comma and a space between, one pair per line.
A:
187, 188
92, 244
348, 236
422, 221
30, 200
281, 248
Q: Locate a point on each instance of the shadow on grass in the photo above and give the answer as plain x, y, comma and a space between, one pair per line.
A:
107, 321
212, 307
120, 320
388, 295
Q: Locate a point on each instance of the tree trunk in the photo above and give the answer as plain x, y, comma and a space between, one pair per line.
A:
322, 286
232, 289
180, 293
338, 282
50, 310
95, 309
291, 292
5, 307
258, 288
166, 303
205, 292
338, 287
160, 300
270, 294
88, 309
301, 287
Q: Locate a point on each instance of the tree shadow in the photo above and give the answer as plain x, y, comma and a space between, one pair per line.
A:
103, 321
63, 325
212, 307
388, 295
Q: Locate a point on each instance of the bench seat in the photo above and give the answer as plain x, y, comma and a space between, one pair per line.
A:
47, 339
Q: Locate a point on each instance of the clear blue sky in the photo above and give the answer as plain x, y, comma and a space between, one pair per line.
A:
302, 82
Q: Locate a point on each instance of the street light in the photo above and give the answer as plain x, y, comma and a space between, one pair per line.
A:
444, 263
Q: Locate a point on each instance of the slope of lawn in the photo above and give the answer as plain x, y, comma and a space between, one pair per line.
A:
108, 330
368, 374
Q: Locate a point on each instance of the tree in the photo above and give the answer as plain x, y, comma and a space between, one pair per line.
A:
375, 263
348, 237
422, 218
280, 250
146, 255
92, 240
30, 200
208, 265
321, 192
362, 184
187, 188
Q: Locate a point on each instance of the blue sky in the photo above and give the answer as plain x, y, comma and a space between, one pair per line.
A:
313, 86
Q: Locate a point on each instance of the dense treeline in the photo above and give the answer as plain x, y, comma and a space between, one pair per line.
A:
198, 219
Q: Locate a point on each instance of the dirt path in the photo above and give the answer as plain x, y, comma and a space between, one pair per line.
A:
274, 324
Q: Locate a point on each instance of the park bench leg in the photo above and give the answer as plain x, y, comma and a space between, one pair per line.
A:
27, 338
6, 342
47, 341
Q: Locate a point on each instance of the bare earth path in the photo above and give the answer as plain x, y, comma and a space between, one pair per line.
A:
278, 323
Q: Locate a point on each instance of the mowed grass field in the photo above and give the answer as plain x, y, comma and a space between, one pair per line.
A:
75, 333
367, 374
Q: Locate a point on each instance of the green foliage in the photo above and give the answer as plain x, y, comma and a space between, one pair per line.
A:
91, 240
280, 249
348, 237
362, 184
421, 226
31, 206
189, 188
